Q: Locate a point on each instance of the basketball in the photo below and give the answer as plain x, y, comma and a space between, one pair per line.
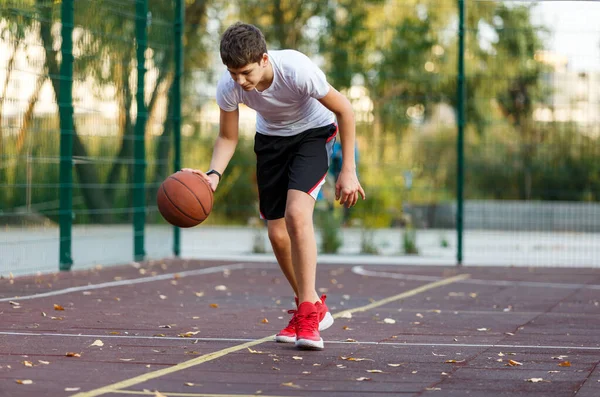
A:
185, 199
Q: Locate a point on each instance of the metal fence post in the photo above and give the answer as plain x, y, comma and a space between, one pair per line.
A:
65, 108
139, 149
179, 18
460, 118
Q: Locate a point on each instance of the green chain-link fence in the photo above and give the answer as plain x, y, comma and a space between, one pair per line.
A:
527, 114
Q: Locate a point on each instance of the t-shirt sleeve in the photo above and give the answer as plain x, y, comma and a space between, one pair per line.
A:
226, 94
310, 79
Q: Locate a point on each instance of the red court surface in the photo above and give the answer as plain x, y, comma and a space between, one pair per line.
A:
205, 328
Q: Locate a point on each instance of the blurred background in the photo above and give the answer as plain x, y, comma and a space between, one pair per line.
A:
124, 114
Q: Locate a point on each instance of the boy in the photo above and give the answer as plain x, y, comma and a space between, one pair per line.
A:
295, 133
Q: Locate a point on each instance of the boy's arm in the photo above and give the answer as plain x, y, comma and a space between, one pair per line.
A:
224, 146
347, 187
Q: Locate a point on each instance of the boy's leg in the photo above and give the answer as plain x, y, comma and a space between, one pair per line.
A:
299, 222
280, 241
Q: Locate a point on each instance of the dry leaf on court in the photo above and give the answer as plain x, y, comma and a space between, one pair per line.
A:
264, 321
454, 361
565, 364
44, 362
72, 388
536, 380
188, 384
374, 371
71, 354
362, 379
346, 315
188, 334
389, 321
355, 359
297, 358
28, 363
290, 384
438, 355
483, 329
220, 288
513, 363
127, 359
13, 303
214, 305
97, 342
394, 365
255, 351
350, 340
163, 297
559, 357
164, 326
58, 307
24, 381
346, 328
199, 294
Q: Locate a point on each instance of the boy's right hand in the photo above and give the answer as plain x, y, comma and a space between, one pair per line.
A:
213, 180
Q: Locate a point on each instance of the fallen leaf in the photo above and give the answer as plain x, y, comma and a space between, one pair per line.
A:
454, 361
438, 355
199, 294
255, 351
483, 329
188, 334
44, 362
341, 366
58, 307
163, 297
350, 340
114, 333
553, 372
97, 342
13, 303
513, 363
264, 321
72, 388
188, 384
432, 388
164, 326
362, 378
374, 371
28, 363
565, 364
306, 372
127, 359
346, 315
559, 357
24, 381
214, 305
501, 354
297, 358
394, 365
220, 288
346, 328
275, 369
44, 314
355, 359
70, 354
389, 321
290, 384
535, 380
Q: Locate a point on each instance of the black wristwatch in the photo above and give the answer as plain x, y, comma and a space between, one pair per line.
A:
217, 173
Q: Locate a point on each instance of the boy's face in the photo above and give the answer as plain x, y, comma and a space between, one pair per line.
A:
249, 76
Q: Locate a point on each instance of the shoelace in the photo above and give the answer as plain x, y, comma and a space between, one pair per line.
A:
308, 322
292, 323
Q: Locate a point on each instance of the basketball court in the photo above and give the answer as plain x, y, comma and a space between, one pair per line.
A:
205, 328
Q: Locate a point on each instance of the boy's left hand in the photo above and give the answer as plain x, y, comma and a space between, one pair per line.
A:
347, 188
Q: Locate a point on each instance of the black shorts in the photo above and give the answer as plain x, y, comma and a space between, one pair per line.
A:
298, 162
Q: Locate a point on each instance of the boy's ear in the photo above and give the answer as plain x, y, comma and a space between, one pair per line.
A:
264, 60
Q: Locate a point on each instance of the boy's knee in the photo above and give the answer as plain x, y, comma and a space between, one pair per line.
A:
278, 235
295, 220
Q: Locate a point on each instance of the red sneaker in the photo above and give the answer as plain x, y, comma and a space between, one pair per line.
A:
307, 327
288, 334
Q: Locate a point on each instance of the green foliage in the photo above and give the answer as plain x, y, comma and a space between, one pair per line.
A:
409, 240
367, 243
331, 237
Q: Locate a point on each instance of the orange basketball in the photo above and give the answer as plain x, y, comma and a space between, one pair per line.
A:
185, 199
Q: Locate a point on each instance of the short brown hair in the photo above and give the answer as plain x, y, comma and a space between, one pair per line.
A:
241, 45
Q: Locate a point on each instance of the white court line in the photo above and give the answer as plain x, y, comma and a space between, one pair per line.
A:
169, 276
360, 270
237, 340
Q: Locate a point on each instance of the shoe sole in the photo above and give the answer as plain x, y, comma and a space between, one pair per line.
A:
324, 324
307, 344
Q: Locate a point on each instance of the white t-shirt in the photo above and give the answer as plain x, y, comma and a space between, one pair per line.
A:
290, 105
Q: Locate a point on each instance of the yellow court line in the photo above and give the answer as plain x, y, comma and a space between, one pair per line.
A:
211, 356
174, 394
